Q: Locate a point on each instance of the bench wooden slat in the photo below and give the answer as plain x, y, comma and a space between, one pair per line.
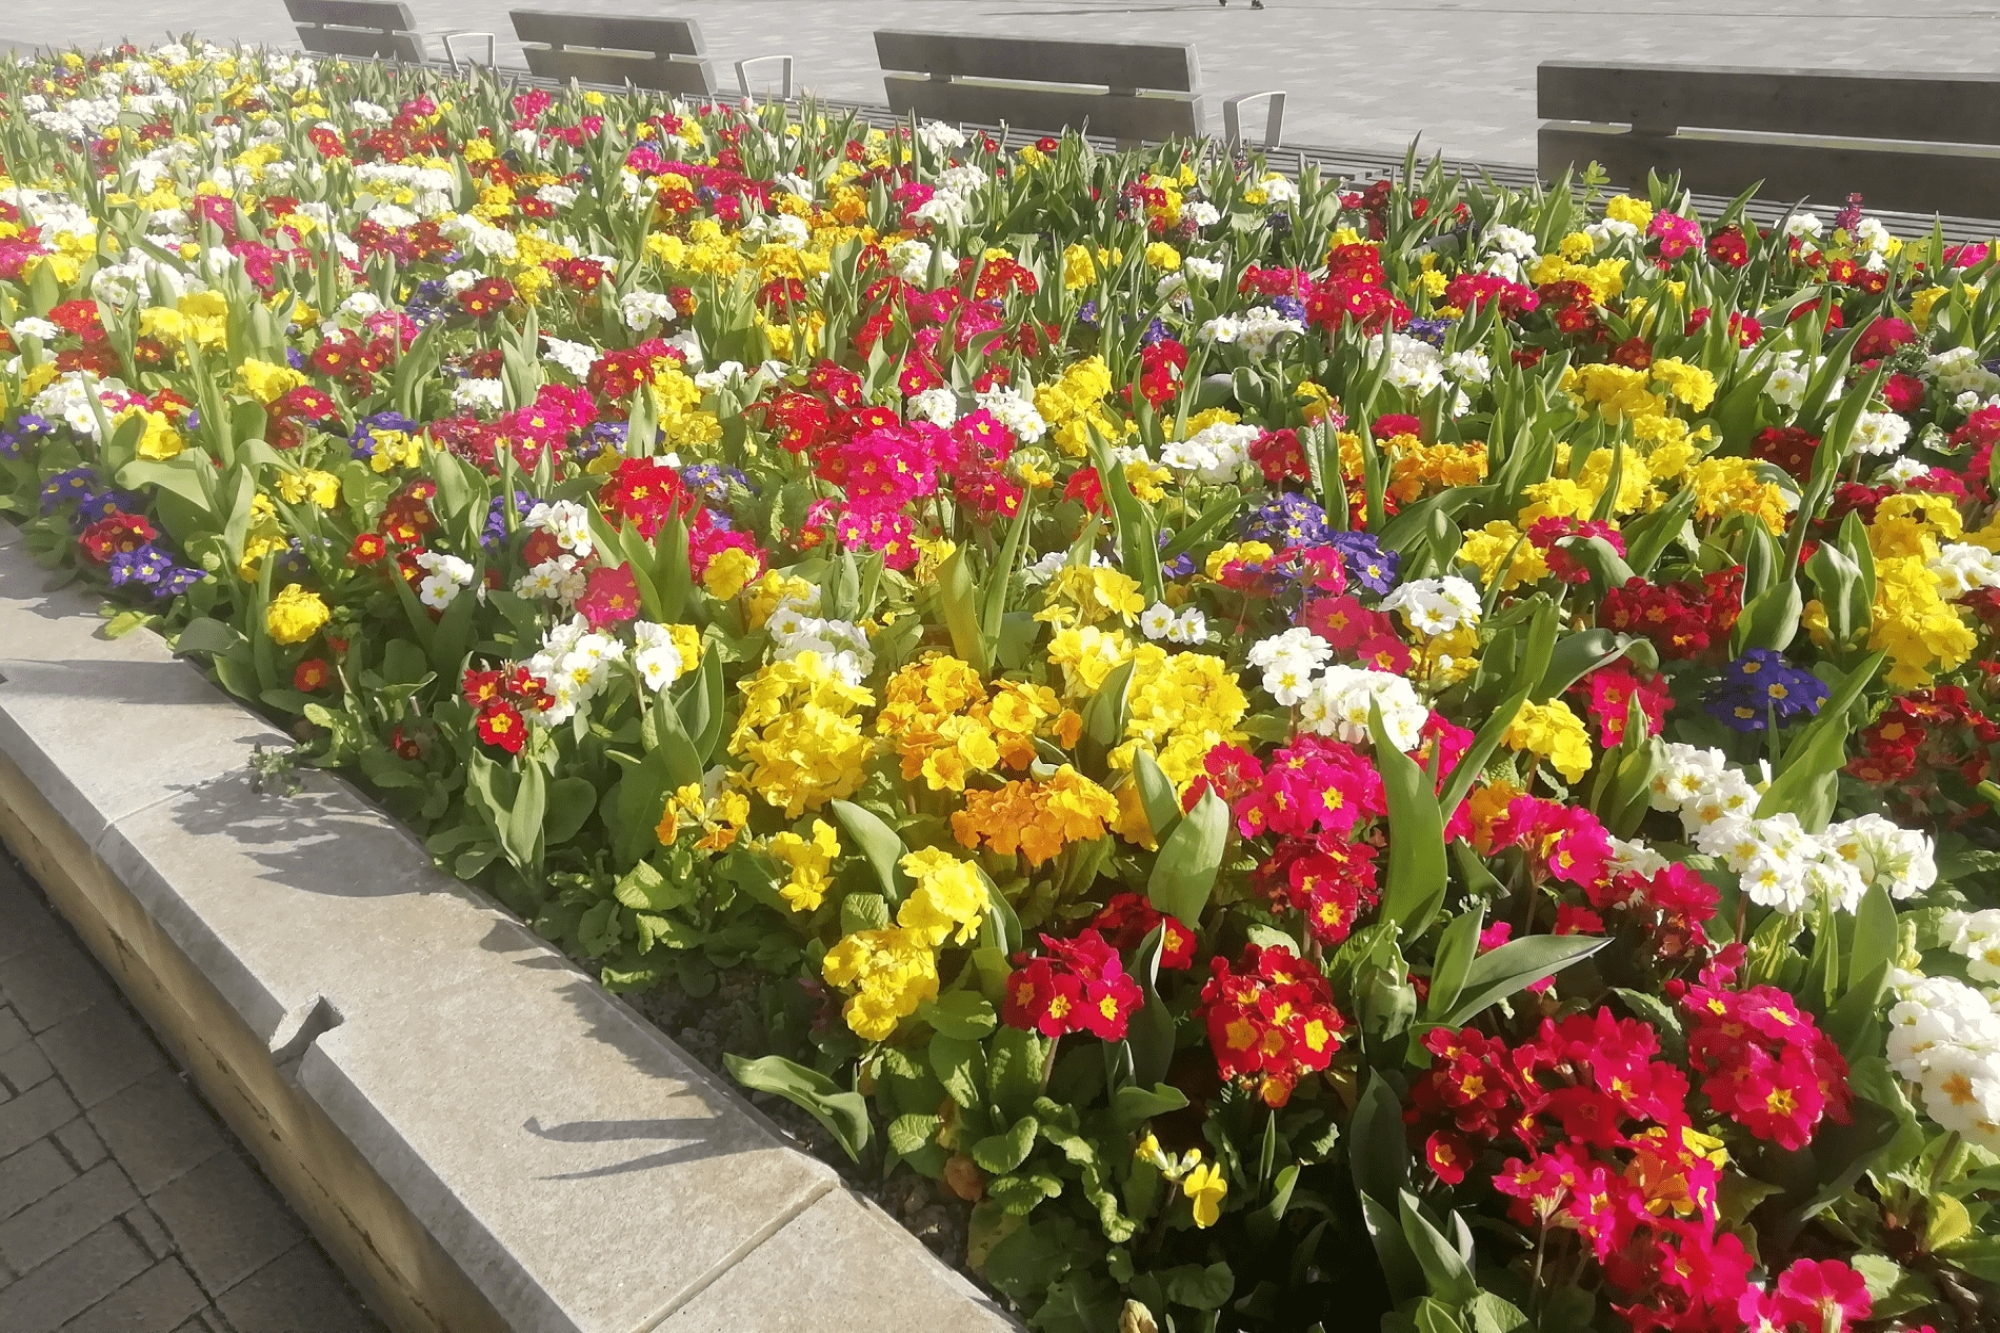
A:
384, 15
374, 45
668, 36
683, 78
1924, 107
1170, 67
1961, 181
1115, 115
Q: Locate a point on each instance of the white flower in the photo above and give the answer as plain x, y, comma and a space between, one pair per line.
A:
1215, 454
1880, 433
1288, 661
643, 310
1899, 859
1015, 412
938, 406
1190, 627
1958, 371
940, 137
574, 357
1044, 568
565, 520
1961, 567
475, 395
557, 580
1341, 698
1510, 241
30, 327
1201, 213
1787, 386
1221, 329
562, 196
1435, 606
910, 260
1156, 621
444, 576
1903, 471
1208, 270
370, 114
1469, 366
1278, 191
1804, 224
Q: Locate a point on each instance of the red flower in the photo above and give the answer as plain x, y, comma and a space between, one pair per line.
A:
500, 725
1448, 1154
611, 598
1078, 985
368, 548
115, 534
311, 676
1128, 918
1823, 1294
1272, 1022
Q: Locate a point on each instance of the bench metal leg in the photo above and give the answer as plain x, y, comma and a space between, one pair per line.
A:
785, 78
1274, 119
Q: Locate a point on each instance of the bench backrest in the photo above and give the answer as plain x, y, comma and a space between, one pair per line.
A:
1150, 91
381, 29
1939, 125
662, 53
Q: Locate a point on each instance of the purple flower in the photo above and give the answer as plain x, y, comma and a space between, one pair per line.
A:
1367, 563
1760, 687
177, 581
1290, 520
63, 487
145, 566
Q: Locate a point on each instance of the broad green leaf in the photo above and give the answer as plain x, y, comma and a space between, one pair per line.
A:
1518, 964
962, 1013
1156, 793
880, 847
1189, 860
843, 1113
1457, 949
1002, 1153
1132, 1106
1445, 1271
1416, 879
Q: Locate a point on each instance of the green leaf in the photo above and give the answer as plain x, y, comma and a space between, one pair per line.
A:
1491, 1314
1200, 1288
1516, 964
1817, 753
960, 1066
956, 595
644, 889
1132, 1106
964, 1014
1378, 1151
1416, 880
1445, 1270
843, 1113
1002, 1153
1156, 793
1189, 861
1876, 940
880, 847
1104, 718
1457, 949
570, 802
521, 831
207, 635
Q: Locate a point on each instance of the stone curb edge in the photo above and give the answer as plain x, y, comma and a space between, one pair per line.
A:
481, 1136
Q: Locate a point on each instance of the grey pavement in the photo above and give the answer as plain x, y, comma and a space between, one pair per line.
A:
125, 1205
1360, 74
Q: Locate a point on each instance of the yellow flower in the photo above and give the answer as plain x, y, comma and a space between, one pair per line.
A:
295, 615
726, 574
1078, 270
1206, 1187
1552, 732
1624, 208
265, 382
811, 864
799, 732
1487, 547
948, 901
1690, 384
394, 449
322, 488
1160, 255
893, 971
1037, 819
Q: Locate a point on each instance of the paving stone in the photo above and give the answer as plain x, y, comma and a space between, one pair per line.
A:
72, 1282
25, 924
36, 1112
51, 983
299, 1292
158, 1298
79, 1143
100, 1051
12, 1030
149, 1232
23, 1067
157, 1129
33, 1173
46, 1228
225, 1221
788, 1285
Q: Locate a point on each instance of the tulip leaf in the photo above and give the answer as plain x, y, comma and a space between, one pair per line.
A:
1189, 861
880, 847
843, 1113
1518, 964
1416, 879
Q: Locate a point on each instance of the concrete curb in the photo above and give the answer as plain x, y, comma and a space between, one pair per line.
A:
480, 1135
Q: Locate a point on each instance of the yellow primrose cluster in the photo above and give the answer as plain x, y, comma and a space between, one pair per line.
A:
1551, 731
1034, 817
894, 970
800, 734
1419, 469
945, 727
1075, 403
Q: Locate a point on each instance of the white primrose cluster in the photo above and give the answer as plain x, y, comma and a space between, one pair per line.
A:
576, 664
841, 644
1945, 1037
1215, 453
1334, 699
560, 578
1779, 863
1435, 606
445, 576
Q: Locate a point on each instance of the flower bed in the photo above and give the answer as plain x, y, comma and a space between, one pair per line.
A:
1412, 753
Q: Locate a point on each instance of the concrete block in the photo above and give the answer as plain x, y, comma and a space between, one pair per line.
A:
72, 1282
12, 1030
34, 1113
45, 1229
157, 1129
160, 1297
172, 729
47, 624
298, 1292
79, 1143
150, 1233
23, 1067
52, 983
225, 1221
33, 1173
843, 1264
100, 1051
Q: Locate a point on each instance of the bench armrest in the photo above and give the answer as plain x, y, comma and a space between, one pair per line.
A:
451, 56
743, 75
1274, 119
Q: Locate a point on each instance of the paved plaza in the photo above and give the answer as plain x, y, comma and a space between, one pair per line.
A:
1359, 74
125, 1205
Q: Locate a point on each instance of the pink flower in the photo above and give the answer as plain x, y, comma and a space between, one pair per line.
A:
610, 598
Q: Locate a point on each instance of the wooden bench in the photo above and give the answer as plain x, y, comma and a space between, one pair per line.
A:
375, 29
1129, 91
666, 54
1805, 133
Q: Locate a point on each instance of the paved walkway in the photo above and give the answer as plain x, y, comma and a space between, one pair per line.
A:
1360, 73
125, 1205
